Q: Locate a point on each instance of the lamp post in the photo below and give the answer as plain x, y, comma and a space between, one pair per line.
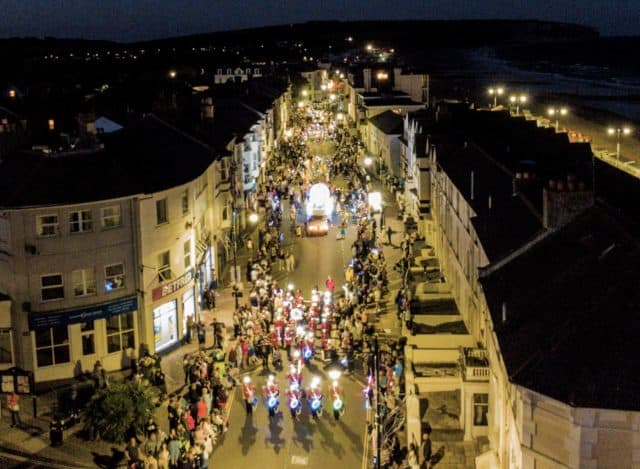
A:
495, 92
518, 100
557, 112
618, 132
378, 420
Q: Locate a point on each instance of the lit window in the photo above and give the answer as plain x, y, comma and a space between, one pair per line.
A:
87, 331
113, 277
47, 225
51, 287
111, 217
185, 202
480, 409
187, 254
164, 266
52, 346
162, 216
84, 282
120, 333
80, 221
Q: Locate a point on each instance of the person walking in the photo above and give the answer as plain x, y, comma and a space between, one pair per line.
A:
13, 404
426, 450
389, 233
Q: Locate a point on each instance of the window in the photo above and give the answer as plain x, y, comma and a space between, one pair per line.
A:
164, 266
480, 409
120, 333
87, 331
111, 217
161, 212
113, 277
84, 282
47, 225
6, 349
52, 346
80, 221
187, 254
185, 202
225, 212
51, 287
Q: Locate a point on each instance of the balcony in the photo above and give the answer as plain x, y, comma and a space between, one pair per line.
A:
475, 364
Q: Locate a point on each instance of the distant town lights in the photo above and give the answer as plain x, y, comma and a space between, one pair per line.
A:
172, 73
305, 93
382, 75
369, 47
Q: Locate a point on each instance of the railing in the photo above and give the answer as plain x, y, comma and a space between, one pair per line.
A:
475, 363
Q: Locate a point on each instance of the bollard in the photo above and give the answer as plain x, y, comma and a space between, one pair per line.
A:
34, 403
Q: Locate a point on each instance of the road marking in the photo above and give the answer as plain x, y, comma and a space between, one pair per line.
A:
365, 451
300, 460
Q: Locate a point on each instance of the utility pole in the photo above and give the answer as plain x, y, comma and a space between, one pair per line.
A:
378, 422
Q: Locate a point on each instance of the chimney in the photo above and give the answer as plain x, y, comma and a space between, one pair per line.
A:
559, 207
366, 74
472, 181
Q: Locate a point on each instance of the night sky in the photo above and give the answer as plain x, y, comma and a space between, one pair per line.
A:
131, 20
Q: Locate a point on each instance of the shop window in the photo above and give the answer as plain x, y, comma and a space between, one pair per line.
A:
111, 217
480, 409
187, 254
113, 277
84, 282
120, 335
51, 287
162, 215
52, 346
165, 325
164, 266
47, 225
80, 221
185, 202
87, 331
6, 347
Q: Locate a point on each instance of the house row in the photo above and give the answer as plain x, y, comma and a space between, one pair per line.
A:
107, 247
525, 346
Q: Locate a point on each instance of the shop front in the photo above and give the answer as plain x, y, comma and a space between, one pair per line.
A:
207, 277
173, 303
67, 343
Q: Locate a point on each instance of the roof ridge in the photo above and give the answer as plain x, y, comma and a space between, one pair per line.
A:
180, 132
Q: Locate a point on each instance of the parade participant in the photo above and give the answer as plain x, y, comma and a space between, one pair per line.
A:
293, 400
336, 393
249, 394
330, 284
294, 376
314, 397
271, 393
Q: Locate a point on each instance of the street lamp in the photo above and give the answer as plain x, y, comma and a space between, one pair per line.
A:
518, 100
172, 73
557, 112
495, 92
618, 132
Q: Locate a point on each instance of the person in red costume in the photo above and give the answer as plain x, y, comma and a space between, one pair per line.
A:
330, 284
248, 394
293, 400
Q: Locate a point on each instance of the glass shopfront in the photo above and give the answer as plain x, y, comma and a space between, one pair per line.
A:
188, 309
165, 324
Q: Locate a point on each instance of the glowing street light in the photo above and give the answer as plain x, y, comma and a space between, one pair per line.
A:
382, 75
557, 112
618, 132
495, 92
368, 161
369, 47
300, 104
518, 100
253, 218
172, 73
305, 93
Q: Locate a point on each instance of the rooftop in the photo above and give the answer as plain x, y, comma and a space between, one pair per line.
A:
388, 122
148, 155
571, 308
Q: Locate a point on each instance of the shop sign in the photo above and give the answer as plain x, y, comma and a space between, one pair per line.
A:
173, 286
38, 321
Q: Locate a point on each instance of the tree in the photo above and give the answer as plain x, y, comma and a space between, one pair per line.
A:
119, 410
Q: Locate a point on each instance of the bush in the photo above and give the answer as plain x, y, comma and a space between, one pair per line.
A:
120, 410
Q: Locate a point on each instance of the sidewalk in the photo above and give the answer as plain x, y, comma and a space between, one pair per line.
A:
31, 442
